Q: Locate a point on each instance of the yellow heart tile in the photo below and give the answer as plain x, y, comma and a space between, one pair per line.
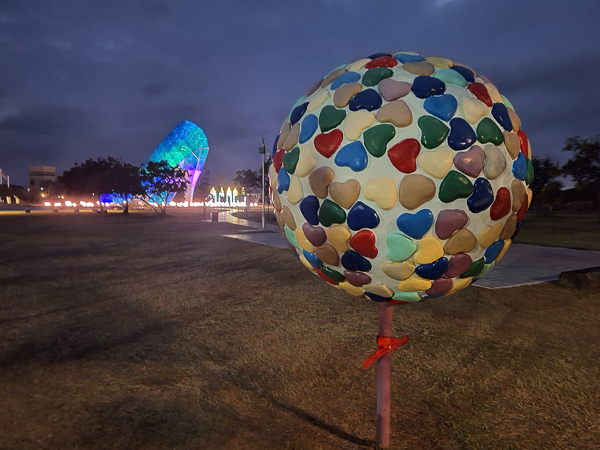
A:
460, 283
504, 250
414, 283
357, 65
378, 289
302, 241
307, 159
319, 98
352, 290
436, 163
463, 241
488, 235
429, 250
294, 193
356, 122
398, 270
472, 109
382, 191
338, 236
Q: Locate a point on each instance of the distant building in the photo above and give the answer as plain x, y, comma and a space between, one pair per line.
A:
41, 175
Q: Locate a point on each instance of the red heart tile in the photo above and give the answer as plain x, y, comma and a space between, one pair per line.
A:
327, 143
364, 243
404, 154
501, 206
523, 209
480, 91
382, 61
278, 159
326, 278
524, 143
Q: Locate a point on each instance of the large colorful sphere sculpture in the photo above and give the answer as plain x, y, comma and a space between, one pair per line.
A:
401, 177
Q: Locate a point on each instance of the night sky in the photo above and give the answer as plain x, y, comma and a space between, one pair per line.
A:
86, 79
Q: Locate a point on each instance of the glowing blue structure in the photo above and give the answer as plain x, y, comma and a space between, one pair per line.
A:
185, 146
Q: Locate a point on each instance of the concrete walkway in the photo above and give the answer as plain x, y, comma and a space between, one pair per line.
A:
523, 264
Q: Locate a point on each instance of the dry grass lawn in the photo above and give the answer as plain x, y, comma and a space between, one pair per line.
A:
147, 333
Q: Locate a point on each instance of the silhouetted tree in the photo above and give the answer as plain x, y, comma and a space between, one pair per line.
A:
161, 182
248, 179
584, 166
545, 171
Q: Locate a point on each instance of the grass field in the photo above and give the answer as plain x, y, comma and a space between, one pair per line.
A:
143, 332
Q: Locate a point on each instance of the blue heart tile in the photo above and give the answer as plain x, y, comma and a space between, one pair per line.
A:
368, 99
415, 225
443, 107
297, 113
407, 57
346, 77
424, 86
519, 168
482, 196
309, 126
312, 259
352, 155
362, 216
492, 252
353, 261
283, 180
433, 270
309, 207
501, 115
465, 72
462, 135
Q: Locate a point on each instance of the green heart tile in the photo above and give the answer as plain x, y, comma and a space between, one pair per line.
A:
330, 213
400, 247
330, 118
333, 274
406, 296
475, 269
488, 131
290, 160
289, 234
530, 173
376, 139
433, 131
455, 185
374, 76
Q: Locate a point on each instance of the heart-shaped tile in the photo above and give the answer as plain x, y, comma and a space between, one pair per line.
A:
415, 189
309, 207
376, 138
519, 168
495, 162
470, 162
315, 235
459, 264
472, 109
429, 249
524, 142
356, 123
481, 92
403, 155
463, 241
415, 225
454, 186
338, 236
433, 131
364, 243
374, 76
492, 252
303, 242
434, 269
332, 274
292, 138
283, 181
290, 160
327, 143
443, 107
501, 206
392, 90
400, 247
352, 155
319, 180
330, 118
357, 278
308, 128
307, 160
439, 286
368, 99
500, 113
312, 259
278, 159
288, 217
488, 131
482, 196
397, 113
383, 191
355, 262
326, 278
461, 134
330, 213
345, 194
295, 192
398, 270
424, 86
328, 254
378, 289
436, 162
344, 93
448, 221
347, 77
414, 284
362, 216
488, 234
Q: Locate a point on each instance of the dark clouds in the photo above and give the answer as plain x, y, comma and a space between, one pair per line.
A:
86, 79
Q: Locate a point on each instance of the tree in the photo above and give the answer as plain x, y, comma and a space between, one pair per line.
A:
161, 182
545, 171
584, 166
103, 176
248, 179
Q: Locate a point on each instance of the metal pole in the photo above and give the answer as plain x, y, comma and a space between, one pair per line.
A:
263, 151
384, 373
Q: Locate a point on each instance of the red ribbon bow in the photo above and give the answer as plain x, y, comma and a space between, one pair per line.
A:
385, 344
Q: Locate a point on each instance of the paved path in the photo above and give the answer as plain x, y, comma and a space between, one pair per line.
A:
523, 264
